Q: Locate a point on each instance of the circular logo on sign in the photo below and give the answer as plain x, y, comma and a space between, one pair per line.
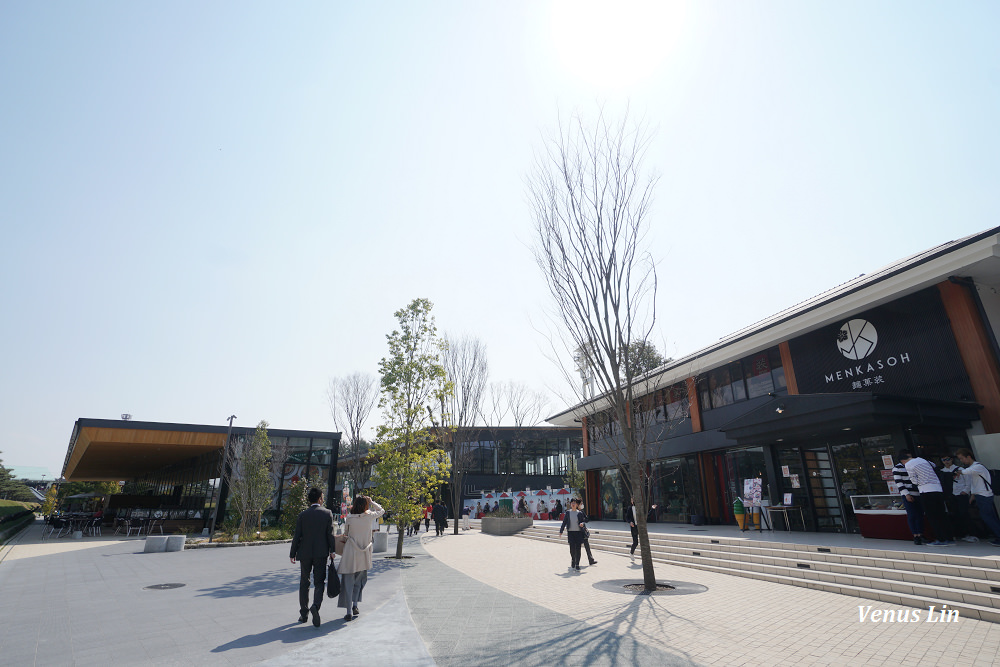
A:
857, 339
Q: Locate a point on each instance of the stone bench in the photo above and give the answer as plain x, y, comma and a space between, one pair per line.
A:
159, 543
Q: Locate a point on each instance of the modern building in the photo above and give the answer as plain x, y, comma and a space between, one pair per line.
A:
816, 400
171, 470
511, 457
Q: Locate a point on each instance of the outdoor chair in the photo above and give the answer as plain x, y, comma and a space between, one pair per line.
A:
134, 525
154, 525
121, 524
94, 526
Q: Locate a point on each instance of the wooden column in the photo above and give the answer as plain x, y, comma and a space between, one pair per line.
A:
586, 438
786, 363
693, 407
975, 349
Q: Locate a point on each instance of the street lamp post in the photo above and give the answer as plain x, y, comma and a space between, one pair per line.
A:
222, 474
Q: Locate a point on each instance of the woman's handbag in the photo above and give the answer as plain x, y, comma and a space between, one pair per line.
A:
332, 581
338, 544
585, 532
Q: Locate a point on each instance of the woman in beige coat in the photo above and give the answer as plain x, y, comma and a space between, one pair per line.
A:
357, 558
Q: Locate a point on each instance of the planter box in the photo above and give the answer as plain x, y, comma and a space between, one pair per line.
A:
496, 526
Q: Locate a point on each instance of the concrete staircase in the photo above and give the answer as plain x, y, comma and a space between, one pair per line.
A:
912, 578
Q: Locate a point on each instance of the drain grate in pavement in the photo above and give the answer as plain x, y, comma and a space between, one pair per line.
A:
162, 587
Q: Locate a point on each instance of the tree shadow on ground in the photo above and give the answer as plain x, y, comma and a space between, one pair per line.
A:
275, 582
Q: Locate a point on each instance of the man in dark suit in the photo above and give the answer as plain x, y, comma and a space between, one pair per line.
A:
313, 544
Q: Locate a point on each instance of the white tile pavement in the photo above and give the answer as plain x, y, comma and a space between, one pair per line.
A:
737, 621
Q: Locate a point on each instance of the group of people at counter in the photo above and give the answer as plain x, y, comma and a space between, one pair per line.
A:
950, 497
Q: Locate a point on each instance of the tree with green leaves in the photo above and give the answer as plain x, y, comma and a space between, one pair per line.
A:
409, 468
295, 503
251, 487
575, 478
12, 489
51, 501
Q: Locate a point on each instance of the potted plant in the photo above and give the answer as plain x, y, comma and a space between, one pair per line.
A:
503, 522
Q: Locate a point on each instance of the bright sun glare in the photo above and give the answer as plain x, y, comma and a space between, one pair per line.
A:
614, 46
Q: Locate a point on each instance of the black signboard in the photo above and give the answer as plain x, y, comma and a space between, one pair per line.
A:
905, 348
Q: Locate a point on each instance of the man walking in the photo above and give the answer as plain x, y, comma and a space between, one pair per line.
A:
982, 491
931, 496
313, 544
630, 518
440, 515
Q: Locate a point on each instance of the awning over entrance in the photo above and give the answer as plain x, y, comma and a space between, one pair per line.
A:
807, 415
112, 450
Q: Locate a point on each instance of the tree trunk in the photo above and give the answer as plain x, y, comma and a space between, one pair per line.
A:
399, 541
639, 496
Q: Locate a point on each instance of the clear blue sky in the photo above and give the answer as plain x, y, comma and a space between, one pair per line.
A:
213, 208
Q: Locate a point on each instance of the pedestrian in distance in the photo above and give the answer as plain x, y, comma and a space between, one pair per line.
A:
573, 523
956, 497
427, 518
630, 519
312, 545
931, 496
440, 515
911, 502
466, 517
586, 539
357, 558
981, 490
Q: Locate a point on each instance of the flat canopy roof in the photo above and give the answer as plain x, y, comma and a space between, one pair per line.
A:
115, 450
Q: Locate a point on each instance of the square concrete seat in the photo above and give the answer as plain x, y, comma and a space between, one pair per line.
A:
155, 544
175, 542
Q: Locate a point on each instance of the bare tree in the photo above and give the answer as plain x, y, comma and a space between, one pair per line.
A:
590, 206
467, 369
352, 400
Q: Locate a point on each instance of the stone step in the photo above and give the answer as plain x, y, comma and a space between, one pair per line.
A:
973, 597
940, 562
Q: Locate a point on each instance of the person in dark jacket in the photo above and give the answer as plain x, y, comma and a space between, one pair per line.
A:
440, 515
630, 519
573, 523
312, 545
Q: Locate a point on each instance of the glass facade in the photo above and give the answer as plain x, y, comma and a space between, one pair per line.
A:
528, 452
751, 377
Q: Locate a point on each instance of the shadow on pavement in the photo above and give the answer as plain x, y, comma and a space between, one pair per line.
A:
291, 633
276, 582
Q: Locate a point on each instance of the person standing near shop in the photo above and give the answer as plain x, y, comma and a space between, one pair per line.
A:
573, 523
466, 517
312, 545
630, 519
956, 497
931, 496
427, 518
357, 558
981, 489
911, 502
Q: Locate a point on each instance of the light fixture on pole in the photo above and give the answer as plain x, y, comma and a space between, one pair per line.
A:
222, 473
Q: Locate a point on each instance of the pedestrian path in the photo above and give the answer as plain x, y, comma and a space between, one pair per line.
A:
735, 621
467, 599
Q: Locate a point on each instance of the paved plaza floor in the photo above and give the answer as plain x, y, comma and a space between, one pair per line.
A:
468, 599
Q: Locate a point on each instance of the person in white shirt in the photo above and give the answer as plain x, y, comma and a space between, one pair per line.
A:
956, 497
981, 490
931, 496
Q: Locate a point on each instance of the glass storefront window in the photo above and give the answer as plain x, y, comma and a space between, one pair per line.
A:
676, 490
611, 495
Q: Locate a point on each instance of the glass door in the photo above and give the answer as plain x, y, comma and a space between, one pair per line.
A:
823, 490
